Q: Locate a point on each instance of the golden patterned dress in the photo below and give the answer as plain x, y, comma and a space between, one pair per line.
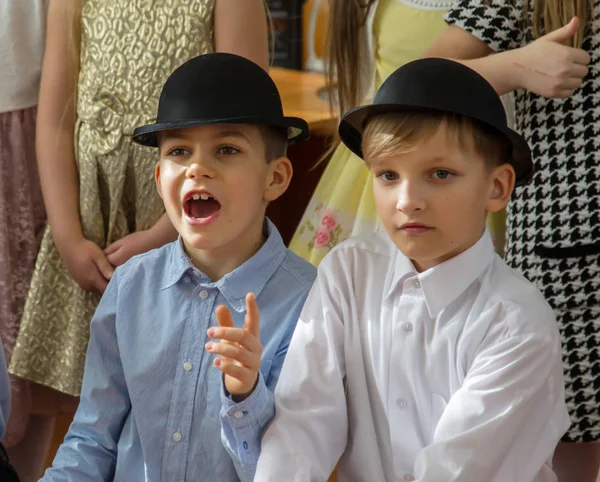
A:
128, 49
342, 205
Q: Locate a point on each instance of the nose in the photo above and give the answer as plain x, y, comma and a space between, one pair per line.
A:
200, 167
410, 197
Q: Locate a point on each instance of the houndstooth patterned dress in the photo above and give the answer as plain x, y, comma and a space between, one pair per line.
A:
553, 228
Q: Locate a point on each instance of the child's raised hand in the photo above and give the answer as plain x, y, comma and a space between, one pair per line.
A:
551, 68
240, 349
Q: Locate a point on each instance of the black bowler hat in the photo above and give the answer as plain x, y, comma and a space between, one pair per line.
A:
220, 88
444, 86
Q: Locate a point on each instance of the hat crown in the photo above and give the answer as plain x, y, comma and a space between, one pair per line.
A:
440, 85
216, 86
426, 83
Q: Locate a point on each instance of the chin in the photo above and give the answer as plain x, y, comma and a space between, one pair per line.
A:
202, 241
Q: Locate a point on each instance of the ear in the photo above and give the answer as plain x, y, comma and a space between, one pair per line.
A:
278, 178
157, 179
502, 184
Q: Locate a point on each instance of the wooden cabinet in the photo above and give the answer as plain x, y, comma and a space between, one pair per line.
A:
302, 96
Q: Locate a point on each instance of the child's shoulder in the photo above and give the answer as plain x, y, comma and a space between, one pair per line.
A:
521, 301
372, 247
152, 262
298, 269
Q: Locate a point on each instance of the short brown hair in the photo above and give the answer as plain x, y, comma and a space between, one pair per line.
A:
275, 140
401, 132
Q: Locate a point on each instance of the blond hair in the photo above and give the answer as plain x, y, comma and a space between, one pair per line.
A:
74, 8
396, 133
550, 15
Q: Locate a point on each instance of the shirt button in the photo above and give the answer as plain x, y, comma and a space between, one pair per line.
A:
203, 294
407, 327
238, 414
401, 403
408, 478
186, 279
187, 366
177, 437
417, 283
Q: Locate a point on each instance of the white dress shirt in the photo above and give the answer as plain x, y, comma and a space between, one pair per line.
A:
453, 374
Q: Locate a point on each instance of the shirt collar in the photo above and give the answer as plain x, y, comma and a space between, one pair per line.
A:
444, 283
252, 275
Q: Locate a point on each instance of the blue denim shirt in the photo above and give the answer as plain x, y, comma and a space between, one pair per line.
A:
151, 397
5, 394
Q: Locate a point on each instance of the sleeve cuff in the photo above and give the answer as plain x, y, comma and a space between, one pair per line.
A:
248, 410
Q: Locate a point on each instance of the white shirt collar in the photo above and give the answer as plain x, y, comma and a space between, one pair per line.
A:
444, 283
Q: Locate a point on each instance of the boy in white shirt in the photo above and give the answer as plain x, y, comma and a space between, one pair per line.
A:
420, 355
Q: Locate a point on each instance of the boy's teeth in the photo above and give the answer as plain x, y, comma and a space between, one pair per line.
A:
203, 196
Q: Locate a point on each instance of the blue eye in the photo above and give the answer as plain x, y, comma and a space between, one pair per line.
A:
388, 176
442, 174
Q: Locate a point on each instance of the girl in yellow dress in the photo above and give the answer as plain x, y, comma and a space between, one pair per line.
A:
368, 41
106, 60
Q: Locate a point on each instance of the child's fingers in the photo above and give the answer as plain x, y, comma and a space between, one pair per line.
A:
236, 335
223, 316
104, 266
116, 258
236, 353
252, 320
245, 375
113, 247
99, 281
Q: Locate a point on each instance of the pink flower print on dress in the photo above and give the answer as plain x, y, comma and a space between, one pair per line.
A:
322, 239
329, 221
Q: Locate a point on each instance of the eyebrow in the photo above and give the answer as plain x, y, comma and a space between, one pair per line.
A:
177, 134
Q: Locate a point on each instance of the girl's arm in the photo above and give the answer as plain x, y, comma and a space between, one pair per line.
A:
55, 130
56, 159
545, 67
241, 28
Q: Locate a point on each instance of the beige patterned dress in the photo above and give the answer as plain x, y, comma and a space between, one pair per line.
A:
129, 48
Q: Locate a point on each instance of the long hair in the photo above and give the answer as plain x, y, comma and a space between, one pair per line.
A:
346, 19
550, 15
342, 57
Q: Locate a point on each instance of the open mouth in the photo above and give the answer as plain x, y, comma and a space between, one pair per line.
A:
201, 206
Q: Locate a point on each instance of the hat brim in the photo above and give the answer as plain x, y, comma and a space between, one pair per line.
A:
353, 123
297, 128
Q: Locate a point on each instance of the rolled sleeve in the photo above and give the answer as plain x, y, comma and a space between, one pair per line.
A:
496, 22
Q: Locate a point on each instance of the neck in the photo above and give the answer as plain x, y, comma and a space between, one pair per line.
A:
216, 263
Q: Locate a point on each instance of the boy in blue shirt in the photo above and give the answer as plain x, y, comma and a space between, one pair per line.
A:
151, 397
